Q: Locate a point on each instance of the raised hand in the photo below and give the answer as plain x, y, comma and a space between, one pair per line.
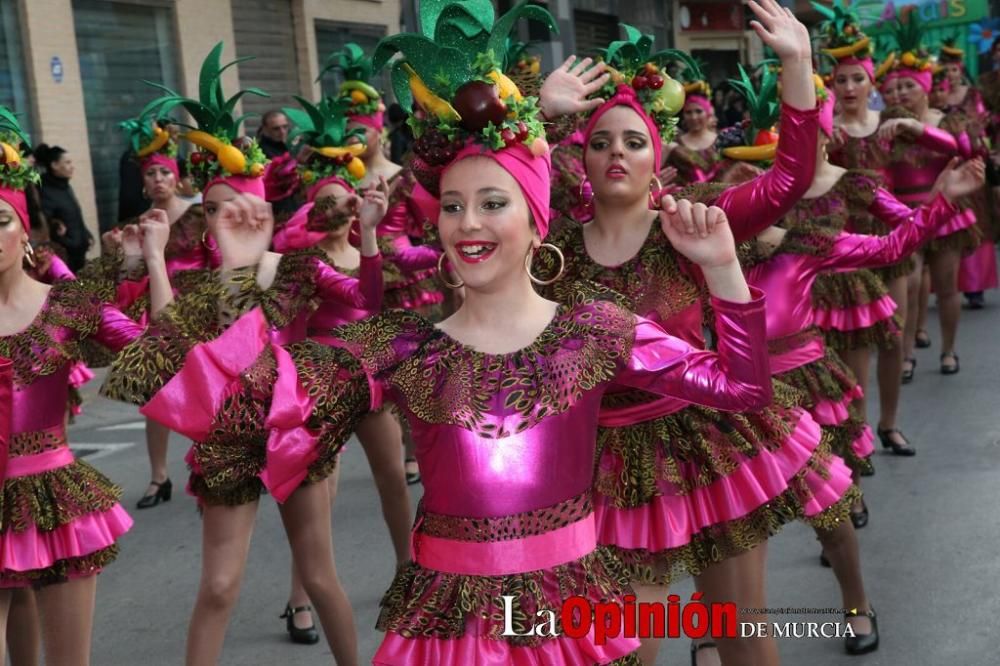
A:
566, 89
131, 241
154, 232
243, 228
778, 28
699, 232
907, 127
374, 204
111, 240
959, 180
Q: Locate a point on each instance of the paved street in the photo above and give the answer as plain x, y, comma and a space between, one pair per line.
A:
929, 552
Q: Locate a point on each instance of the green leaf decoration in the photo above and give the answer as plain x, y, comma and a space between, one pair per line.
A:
430, 13
351, 61
10, 125
212, 111
20, 176
692, 68
762, 100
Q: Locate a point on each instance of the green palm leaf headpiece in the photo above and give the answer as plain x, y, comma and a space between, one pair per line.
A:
15, 172
356, 67
335, 149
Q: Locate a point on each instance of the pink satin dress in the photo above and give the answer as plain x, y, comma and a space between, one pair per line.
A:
680, 487
6, 411
60, 516
506, 445
799, 356
228, 365
695, 166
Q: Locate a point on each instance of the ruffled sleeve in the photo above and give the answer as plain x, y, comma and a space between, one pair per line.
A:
736, 378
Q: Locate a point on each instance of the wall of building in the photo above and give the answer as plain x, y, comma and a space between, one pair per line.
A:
58, 115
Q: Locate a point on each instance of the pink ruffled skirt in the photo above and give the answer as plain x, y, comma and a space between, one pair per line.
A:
61, 517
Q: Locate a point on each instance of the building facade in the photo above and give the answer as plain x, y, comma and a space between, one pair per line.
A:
73, 69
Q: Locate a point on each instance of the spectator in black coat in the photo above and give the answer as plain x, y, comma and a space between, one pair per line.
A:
60, 205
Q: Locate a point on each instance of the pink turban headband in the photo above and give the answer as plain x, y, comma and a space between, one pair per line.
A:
159, 159
242, 184
323, 182
923, 77
376, 120
531, 173
19, 203
702, 101
864, 63
625, 96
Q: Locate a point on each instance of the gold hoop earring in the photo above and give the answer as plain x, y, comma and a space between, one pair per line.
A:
653, 203
442, 274
531, 255
204, 237
29, 254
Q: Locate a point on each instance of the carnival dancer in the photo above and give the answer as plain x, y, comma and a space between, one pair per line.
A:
965, 111
912, 168
414, 284
665, 466
188, 255
61, 519
862, 309
6, 415
325, 222
519, 410
266, 426
694, 153
783, 262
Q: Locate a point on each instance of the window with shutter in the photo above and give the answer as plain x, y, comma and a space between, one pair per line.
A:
119, 45
13, 92
593, 31
264, 30
331, 37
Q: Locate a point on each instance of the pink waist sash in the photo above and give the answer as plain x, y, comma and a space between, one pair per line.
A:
38, 463
795, 358
501, 558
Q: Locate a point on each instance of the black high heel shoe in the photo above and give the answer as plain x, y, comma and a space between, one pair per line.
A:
907, 375
922, 339
860, 519
164, 489
307, 636
862, 643
885, 436
950, 369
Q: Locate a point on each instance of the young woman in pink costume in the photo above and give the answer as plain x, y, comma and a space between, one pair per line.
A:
964, 110
912, 168
514, 411
784, 263
694, 154
661, 507
875, 300
188, 255
225, 366
60, 517
326, 223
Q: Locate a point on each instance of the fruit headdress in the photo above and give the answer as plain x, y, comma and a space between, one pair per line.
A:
754, 140
151, 143
696, 86
632, 63
364, 101
949, 53
914, 61
335, 149
452, 73
15, 173
224, 152
842, 37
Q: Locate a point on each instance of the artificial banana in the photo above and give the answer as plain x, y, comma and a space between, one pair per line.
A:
428, 100
505, 86
160, 138
751, 153
849, 50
